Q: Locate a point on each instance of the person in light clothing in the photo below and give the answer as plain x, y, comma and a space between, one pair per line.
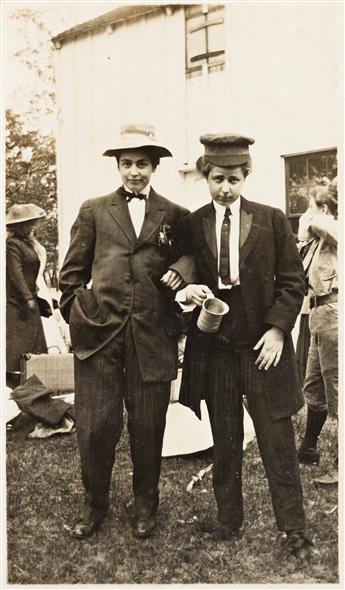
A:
321, 382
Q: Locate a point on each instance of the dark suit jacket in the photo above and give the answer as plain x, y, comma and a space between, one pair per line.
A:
125, 272
24, 329
22, 266
272, 286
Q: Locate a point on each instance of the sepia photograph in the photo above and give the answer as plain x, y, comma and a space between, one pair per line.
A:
171, 347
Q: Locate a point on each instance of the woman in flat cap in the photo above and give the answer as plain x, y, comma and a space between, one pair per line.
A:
24, 330
245, 255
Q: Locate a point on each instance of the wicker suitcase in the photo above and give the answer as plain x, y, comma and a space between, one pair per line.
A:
54, 370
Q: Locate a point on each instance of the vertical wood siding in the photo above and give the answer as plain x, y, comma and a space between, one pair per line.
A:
280, 85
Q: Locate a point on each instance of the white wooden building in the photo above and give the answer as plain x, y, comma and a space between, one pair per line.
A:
269, 70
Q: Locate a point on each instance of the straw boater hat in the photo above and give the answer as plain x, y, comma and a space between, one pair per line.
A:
225, 149
25, 212
137, 137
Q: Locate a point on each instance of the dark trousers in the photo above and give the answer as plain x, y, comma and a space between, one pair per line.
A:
230, 375
103, 382
224, 404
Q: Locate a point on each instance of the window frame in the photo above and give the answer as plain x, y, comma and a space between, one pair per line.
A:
206, 55
331, 151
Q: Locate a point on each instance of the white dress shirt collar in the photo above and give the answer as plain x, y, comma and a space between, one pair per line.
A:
136, 208
234, 207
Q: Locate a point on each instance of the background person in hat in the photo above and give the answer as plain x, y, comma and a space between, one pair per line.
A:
24, 329
245, 254
321, 381
124, 328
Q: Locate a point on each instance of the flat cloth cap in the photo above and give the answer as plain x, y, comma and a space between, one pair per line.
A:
226, 149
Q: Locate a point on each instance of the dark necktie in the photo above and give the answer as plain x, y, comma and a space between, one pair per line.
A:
224, 257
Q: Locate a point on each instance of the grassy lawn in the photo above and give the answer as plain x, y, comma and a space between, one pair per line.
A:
44, 493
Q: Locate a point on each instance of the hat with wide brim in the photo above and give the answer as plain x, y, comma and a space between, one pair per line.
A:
225, 149
137, 137
25, 212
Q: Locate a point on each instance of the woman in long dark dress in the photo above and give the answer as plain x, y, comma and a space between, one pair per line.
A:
24, 329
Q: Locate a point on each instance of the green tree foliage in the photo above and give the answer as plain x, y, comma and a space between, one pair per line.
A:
31, 178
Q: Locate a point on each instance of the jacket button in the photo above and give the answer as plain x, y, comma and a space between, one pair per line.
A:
128, 278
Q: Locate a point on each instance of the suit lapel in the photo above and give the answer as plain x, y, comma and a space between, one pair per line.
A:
250, 225
209, 229
119, 211
155, 213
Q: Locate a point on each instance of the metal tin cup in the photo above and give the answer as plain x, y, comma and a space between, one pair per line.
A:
211, 314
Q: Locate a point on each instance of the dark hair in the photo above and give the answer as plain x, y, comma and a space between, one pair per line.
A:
21, 228
150, 152
21, 224
326, 196
205, 167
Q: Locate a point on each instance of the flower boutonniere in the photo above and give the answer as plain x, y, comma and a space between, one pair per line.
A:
165, 237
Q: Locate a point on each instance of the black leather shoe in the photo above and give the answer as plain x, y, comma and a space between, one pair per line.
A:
84, 528
308, 455
144, 525
297, 545
219, 530
226, 532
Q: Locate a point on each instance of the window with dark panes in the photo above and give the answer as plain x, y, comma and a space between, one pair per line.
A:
205, 37
303, 172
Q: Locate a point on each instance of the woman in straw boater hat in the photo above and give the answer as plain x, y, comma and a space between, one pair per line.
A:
24, 329
123, 329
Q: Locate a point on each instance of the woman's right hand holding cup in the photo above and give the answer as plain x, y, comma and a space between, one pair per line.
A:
198, 293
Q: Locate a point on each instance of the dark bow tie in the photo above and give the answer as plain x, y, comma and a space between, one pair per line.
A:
130, 196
